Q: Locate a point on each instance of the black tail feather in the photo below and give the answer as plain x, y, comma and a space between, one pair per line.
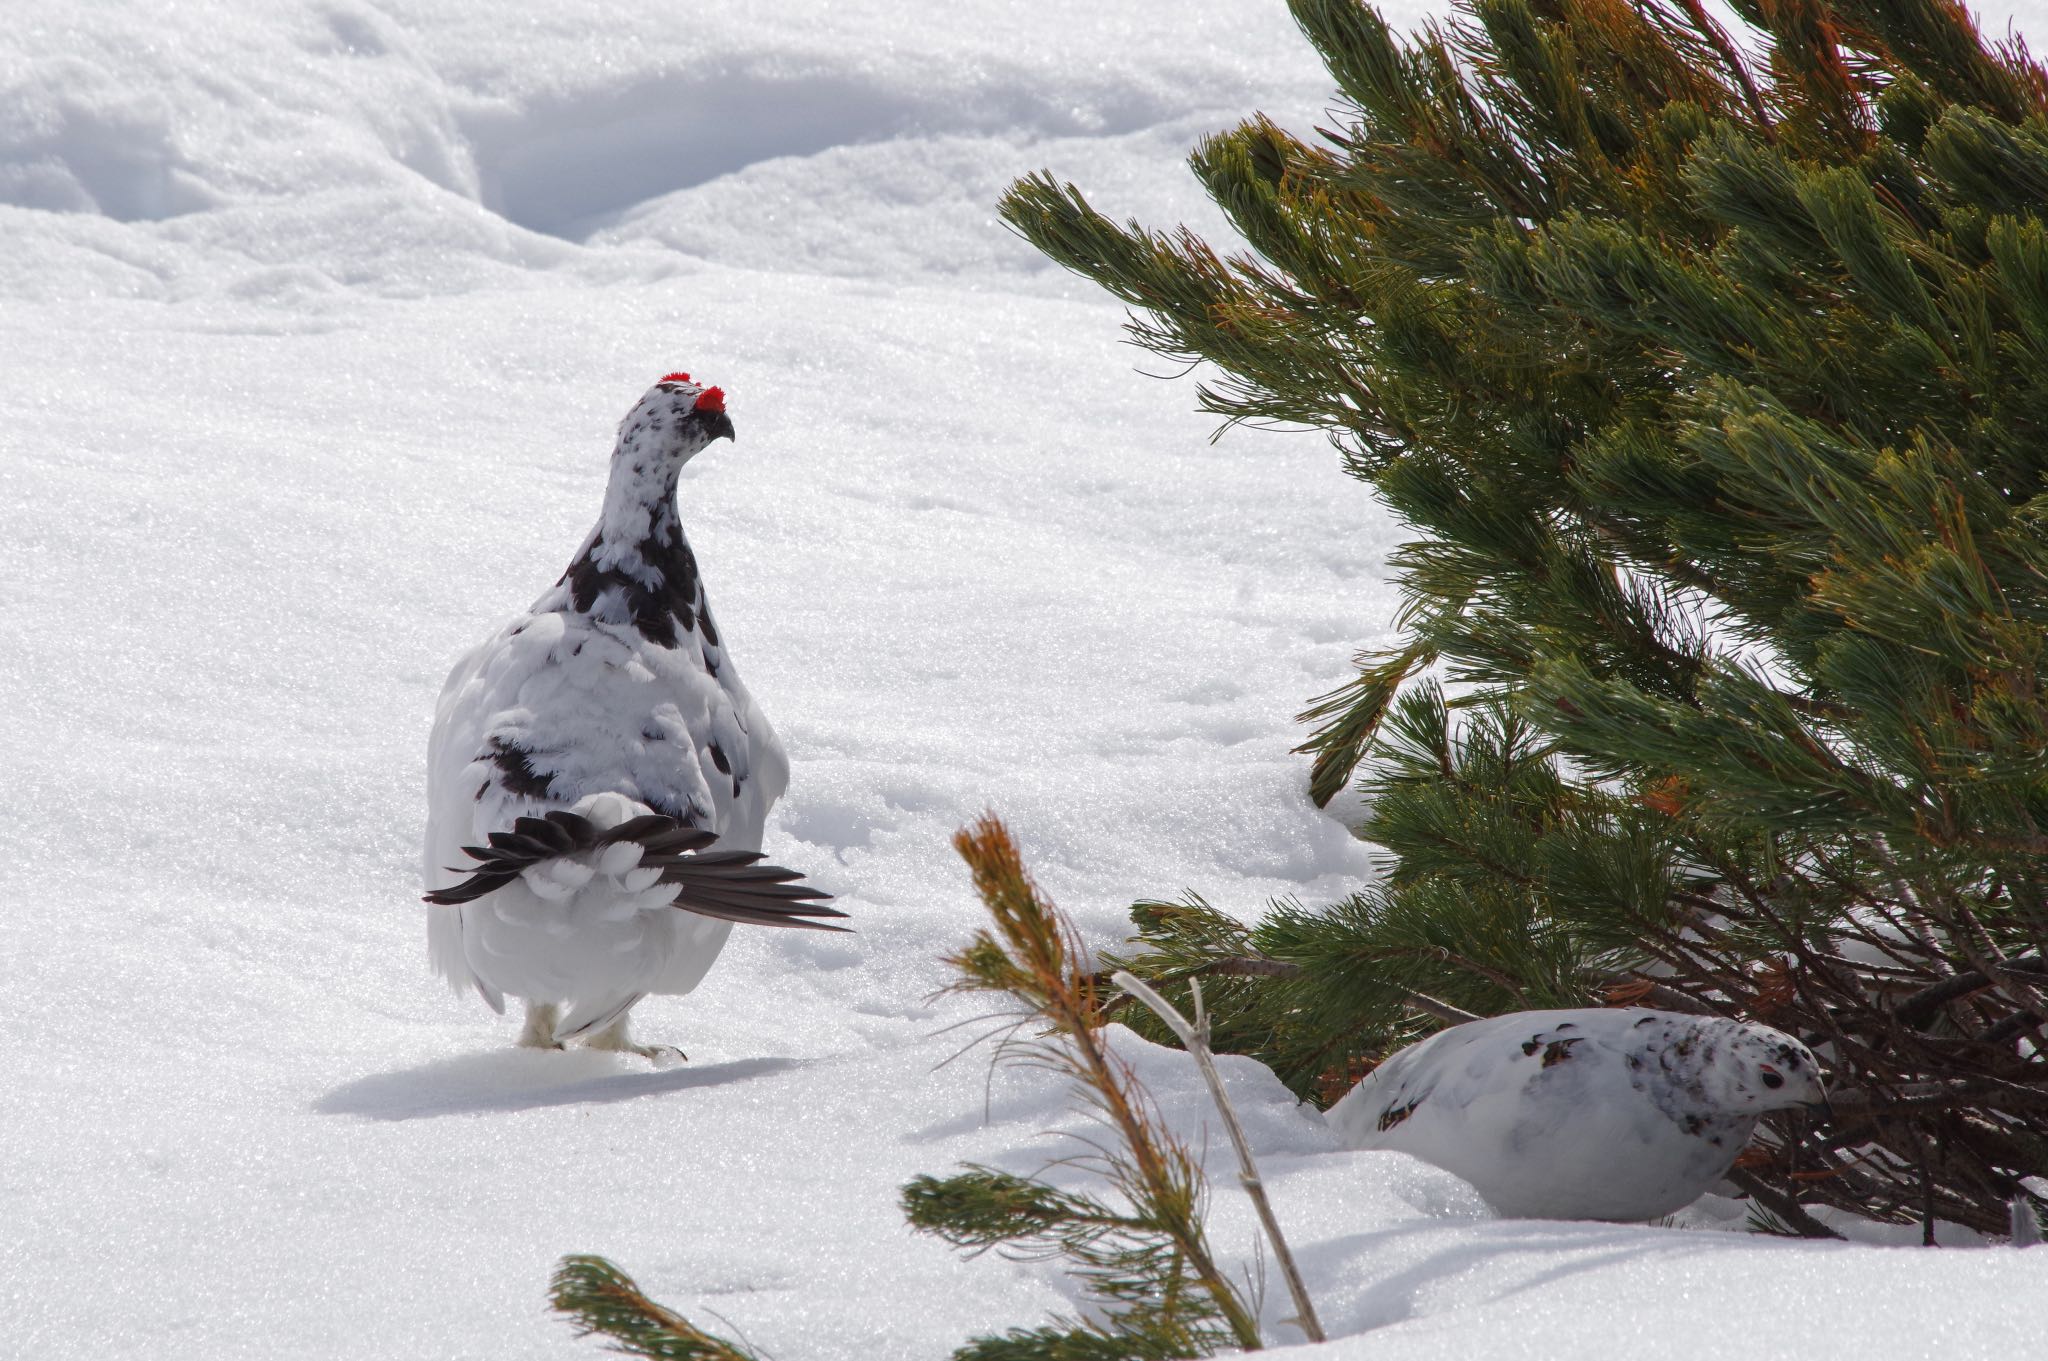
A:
729, 885
555, 835
472, 888
675, 840
512, 843
754, 916
636, 829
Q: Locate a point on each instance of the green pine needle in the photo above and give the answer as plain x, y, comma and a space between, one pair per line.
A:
603, 1301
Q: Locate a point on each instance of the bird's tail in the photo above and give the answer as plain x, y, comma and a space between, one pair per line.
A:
657, 862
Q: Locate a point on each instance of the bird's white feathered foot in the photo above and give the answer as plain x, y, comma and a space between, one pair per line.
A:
539, 1030
544, 1030
615, 1038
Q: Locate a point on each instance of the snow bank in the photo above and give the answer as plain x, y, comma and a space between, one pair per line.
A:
320, 316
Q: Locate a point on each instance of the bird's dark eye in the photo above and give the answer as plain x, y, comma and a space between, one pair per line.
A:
1772, 1080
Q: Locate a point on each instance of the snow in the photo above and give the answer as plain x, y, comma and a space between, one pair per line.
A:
320, 316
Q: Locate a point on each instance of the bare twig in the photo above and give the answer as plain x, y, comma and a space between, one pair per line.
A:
1985, 954
1252, 966
1195, 1036
1854, 1101
1783, 1206
1430, 1006
1660, 995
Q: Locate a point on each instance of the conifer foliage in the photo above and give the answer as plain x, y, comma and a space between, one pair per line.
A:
1710, 371
603, 1301
1140, 1252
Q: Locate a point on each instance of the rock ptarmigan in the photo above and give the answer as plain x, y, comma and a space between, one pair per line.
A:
598, 778
1594, 1113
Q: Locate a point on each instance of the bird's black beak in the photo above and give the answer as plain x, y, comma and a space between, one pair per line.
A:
717, 425
1822, 1110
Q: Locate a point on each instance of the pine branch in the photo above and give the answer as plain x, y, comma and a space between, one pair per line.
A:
1242, 966
1061, 1344
984, 1208
1149, 1267
603, 1301
1783, 1207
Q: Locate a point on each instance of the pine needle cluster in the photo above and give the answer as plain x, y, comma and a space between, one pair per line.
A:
603, 1301
1140, 1253
1709, 370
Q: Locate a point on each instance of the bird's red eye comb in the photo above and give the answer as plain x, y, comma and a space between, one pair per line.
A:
675, 378
712, 399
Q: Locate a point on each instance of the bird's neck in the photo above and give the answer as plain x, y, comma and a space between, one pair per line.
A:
640, 496
637, 567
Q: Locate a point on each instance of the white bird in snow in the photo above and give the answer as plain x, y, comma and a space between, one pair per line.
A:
604, 772
1592, 1113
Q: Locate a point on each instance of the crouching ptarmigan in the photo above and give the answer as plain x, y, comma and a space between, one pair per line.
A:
1595, 1113
598, 777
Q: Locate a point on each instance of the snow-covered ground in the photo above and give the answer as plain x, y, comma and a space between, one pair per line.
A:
318, 319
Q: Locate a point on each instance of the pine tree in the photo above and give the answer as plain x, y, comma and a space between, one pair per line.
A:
1707, 369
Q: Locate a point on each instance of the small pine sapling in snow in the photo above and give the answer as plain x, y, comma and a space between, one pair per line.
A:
1140, 1253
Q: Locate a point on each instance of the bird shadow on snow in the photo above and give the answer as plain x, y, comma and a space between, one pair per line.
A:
1517, 1255
524, 1079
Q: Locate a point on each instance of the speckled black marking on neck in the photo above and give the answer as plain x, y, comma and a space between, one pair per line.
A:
656, 579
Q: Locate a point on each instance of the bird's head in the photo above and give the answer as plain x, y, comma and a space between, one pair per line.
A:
665, 429
1760, 1069
675, 420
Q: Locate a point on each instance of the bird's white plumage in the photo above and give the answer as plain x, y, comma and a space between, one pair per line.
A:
1594, 1113
611, 697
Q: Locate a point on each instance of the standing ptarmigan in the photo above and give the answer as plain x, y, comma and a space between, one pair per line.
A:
1595, 1113
598, 777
